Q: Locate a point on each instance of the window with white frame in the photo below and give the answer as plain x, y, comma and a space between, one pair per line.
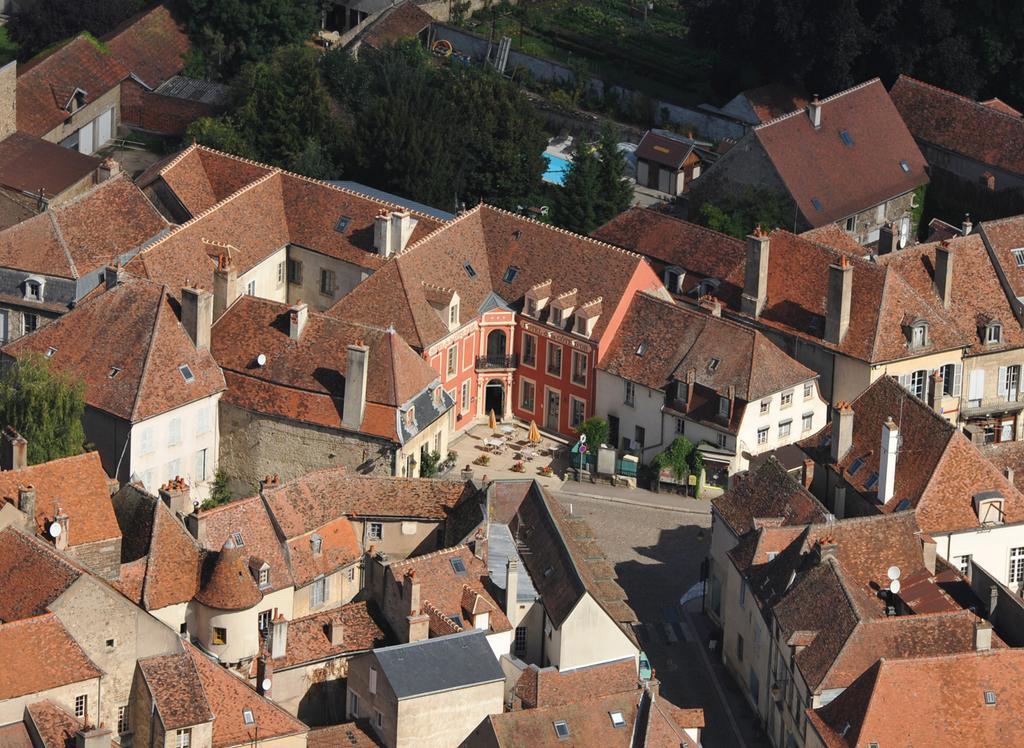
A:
579, 368
629, 395
1017, 565
786, 399
146, 440
919, 334
353, 704
993, 333
174, 432
918, 383
723, 407
762, 435
203, 421
680, 426
722, 439
527, 394
264, 577
199, 468
122, 719
1018, 256
464, 405
529, 349
807, 422
453, 358
375, 531
963, 563
318, 593
250, 288
183, 738
784, 428
453, 315
81, 706
950, 374
765, 404
263, 619
282, 272
33, 290
808, 390
554, 359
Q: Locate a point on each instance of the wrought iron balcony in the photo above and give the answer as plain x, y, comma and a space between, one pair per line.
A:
501, 361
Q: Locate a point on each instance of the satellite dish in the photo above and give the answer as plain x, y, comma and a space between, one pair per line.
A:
266, 684
894, 587
261, 359
54, 530
894, 572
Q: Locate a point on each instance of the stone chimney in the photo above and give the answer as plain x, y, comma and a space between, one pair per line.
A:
278, 637
225, 285
177, 495
113, 275
98, 737
755, 284
355, 386
826, 547
63, 521
944, 273
297, 318
935, 392
929, 552
840, 289
512, 590
967, 226
196, 525
197, 316
842, 431
264, 673
982, 636
14, 450
479, 545
814, 112
382, 230
336, 632
886, 239
1008, 472
887, 460
401, 230
108, 169
411, 592
808, 476
27, 502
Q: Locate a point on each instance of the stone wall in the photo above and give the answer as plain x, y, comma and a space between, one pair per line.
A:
153, 112
745, 165
8, 99
254, 445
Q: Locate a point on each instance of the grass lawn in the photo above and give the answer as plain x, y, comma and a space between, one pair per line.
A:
612, 39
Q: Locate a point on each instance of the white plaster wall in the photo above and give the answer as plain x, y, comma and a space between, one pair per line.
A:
501, 643
154, 466
265, 275
242, 626
588, 637
346, 277
754, 420
989, 547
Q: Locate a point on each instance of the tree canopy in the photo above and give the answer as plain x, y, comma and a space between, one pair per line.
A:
738, 213
595, 189
45, 407
40, 23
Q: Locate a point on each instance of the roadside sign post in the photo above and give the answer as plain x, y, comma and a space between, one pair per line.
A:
581, 447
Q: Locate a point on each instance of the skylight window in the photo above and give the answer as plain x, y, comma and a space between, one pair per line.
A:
641, 349
871, 482
458, 566
1018, 256
186, 373
237, 537
713, 365
816, 203
469, 270
846, 137
903, 504
342, 224
990, 698
617, 719
510, 274
50, 351
562, 729
248, 717
114, 371
905, 166
856, 465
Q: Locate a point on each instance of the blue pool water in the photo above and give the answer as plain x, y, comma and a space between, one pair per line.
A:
557, 167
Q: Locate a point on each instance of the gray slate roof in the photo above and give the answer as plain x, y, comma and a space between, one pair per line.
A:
442, 664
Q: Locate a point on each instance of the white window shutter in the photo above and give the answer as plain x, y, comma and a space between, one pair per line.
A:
905, 381
1001, 382
957, 374
977, 384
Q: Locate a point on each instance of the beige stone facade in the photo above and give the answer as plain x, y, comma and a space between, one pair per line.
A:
87, 115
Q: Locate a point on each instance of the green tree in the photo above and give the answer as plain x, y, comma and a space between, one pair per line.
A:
596, 430
40, 23
616, 192
231, 33
428, 462
682, 458
219, 133
45, 407
220, 493
738, 213
576, 205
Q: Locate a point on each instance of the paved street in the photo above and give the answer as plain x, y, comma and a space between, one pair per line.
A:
657, 553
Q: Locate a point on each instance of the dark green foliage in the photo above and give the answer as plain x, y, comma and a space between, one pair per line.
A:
737, 214
8, 47
429, 462
231, 33
616, 190
597, 430
219, 492
40, 23
578, 203
681, 457
45, 407
219, 133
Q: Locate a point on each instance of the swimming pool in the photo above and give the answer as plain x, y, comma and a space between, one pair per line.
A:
557, 167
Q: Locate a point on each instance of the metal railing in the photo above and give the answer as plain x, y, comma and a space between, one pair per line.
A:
492, 361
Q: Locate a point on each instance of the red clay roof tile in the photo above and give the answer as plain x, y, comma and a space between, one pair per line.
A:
150, 45
32, 575
39, 654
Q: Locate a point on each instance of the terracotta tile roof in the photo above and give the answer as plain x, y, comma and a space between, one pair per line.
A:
144, 341
339, 548
457, 596
132, 579
47, 82
177, 691
1001, 237
929, 701
489, 241
1007, 455
405, 21
939, 476
227, 696
349, 734
395, 373
308, 503
775, 99
769, 492
977, 130
78, 485
817, 165
832, 235
661, 149
28, 164
55, 727
39, 654
562, 564
150, 45
229, 583
676, 340
671, 241
249, 518
549, 686
309, 637
15, 735
32, 575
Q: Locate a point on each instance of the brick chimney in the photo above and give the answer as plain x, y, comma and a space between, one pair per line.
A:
808, 476
382, 230
411, 592
755, 284
177, 495
355, 386
197, 316
479, 545
298, 315
63, 521
113, 275
27, 502
14, 450
264, 673
840, 289
944, 273
278, 637
225, 285
842, 431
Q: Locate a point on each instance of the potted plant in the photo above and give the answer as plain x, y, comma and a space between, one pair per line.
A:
483, 460
547, 471
518, 467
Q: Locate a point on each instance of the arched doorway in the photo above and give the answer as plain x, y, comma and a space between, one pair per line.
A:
494, 398
496, 340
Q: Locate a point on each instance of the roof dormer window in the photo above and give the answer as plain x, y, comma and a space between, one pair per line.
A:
316, 543
723, 407
453, 314
674, 279
264, 577
988, 505
919, 334
1018, 256
993, 332
409, 419
33, 289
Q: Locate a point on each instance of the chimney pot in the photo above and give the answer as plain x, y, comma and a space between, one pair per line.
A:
967, 226
755, 285
225, 285
354, 405
982, 636
814, 112
842, 431
197, 316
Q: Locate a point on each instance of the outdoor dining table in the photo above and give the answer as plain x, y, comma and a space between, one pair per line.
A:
494, 443
508, 430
